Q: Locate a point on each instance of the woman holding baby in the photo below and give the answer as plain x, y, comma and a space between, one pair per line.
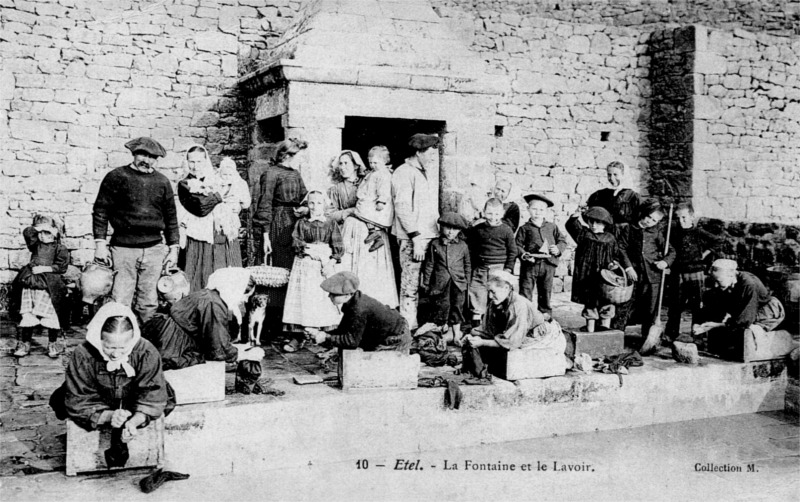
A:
208, 214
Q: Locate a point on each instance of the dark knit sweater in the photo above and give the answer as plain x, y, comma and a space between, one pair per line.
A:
690, 243
139, 206
492, 245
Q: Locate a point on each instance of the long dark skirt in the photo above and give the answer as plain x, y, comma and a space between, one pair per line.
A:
177, 348
201, 259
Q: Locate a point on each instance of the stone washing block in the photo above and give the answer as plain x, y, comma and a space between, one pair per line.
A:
600, 343
201, 383
534, 363
770, 345
386, 369
86, 450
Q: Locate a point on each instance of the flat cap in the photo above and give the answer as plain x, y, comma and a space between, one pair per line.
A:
454, 220
648, 207
420, 142
724, 264
535, 196
341, 283
600, 214
145, 144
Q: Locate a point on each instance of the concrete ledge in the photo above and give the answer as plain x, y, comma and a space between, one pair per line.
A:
385, 369
319, 422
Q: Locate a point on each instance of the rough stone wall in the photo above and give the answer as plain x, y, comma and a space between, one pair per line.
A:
776, 16
671, 134
747, 127
579, 98
78, 78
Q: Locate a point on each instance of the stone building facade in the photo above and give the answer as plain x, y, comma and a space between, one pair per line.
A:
702, 112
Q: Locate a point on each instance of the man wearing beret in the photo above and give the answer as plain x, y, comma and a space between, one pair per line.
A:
737, 302
366, 323
416, 210
139, 204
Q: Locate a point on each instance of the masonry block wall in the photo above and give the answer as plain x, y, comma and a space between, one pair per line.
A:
671, 133
78, 78
747, 126
578, 100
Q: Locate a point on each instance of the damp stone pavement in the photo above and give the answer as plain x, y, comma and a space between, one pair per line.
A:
657, 462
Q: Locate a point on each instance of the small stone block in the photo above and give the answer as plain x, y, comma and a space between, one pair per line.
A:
600, 343
201, 383
534, 363
86, 450
385, 369
770, 345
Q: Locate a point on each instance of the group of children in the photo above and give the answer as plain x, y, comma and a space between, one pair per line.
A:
462, 258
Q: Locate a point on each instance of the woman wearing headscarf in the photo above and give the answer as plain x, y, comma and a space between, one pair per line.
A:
370, 263
198, 326
210, 202
621, 202
114, 377
511, 322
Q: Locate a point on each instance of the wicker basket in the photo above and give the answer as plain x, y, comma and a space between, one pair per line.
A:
618, 294
269, 276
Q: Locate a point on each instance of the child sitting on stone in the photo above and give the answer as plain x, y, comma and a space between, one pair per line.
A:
539, 244
687, 281
38, 293
597, 250
445, 275
492, 247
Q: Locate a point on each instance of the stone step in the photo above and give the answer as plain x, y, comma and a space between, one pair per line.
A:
315, 422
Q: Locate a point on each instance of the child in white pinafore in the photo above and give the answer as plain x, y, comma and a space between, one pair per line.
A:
317, 243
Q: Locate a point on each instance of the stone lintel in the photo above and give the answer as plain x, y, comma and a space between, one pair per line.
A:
282, 71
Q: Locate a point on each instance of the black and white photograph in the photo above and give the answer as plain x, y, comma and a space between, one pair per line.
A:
399, 250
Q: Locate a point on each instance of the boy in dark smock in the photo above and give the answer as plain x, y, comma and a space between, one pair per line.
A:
445, 275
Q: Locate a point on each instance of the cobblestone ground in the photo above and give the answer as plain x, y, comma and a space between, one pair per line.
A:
33, 441
658, 462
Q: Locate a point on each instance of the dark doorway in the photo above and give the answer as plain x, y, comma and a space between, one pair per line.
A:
362, 133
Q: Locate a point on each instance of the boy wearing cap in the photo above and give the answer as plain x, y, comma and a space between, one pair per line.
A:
539, 244
366, 323
139, 204
644, 242
416, 210
446, 273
